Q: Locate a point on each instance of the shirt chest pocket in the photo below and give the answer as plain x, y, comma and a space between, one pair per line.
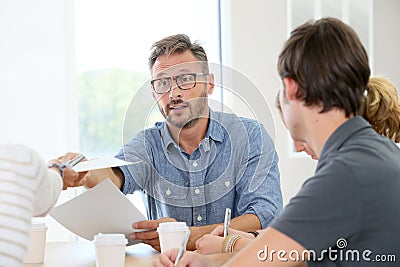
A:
170, 193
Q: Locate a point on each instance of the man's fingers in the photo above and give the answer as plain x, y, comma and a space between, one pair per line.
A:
70, 176
219, 230
145, 235
167, 259
68, 156
150, 224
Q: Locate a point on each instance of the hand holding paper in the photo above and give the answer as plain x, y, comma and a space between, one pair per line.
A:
100, 163
95, 212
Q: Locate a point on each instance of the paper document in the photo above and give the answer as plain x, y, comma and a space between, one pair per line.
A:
100, 163
101, 209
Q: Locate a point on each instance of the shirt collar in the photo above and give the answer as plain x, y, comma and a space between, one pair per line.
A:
214, 132
166, 137
341, 134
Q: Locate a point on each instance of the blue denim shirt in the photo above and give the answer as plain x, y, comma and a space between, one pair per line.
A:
235, 166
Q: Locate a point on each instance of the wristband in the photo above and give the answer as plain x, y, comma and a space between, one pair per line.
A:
59, 168
229, 243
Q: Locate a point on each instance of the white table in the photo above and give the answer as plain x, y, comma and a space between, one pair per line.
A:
82, 254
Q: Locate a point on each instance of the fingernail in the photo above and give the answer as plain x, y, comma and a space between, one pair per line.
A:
132, 236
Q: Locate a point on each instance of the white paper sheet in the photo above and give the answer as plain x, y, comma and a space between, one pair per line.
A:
102, 209
99, 163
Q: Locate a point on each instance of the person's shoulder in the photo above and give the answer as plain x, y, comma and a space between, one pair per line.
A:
146, 138
17, 151
150, 132
19, 157
365, 157
230, 118
369, 144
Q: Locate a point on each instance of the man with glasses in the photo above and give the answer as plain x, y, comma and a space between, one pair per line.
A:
197, 162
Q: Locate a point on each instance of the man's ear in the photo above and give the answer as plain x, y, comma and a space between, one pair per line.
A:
291, 88
210, 80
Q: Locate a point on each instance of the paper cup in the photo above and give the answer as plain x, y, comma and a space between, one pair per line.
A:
171, 234
37, 242
110, 250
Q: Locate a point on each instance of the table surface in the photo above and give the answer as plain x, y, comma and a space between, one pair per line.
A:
82, 254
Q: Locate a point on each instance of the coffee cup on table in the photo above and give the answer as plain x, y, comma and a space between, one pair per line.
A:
171, 234
110, 250
37, 241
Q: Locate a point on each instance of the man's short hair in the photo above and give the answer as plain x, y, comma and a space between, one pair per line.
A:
177, 44
328, 61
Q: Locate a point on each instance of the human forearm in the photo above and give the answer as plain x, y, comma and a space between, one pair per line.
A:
269, 242
245, 222
197, 232
94, 177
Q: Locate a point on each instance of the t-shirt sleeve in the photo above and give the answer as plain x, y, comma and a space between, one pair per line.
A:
319, 214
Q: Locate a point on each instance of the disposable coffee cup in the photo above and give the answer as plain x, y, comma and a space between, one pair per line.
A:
171, 234
110, 250
37, 242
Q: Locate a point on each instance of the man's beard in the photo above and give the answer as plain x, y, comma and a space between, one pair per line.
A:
196, 109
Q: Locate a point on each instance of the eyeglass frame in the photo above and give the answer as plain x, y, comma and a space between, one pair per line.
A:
175, 78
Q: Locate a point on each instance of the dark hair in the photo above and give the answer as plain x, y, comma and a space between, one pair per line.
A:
380, 106
328, 61
177, 44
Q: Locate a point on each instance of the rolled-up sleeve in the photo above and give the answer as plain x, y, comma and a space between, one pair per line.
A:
134, 174
259, 190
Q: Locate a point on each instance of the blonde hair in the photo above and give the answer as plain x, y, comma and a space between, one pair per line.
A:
381, 107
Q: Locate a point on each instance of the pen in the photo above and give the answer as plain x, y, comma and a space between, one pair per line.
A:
227, 221
182, 248
74, 161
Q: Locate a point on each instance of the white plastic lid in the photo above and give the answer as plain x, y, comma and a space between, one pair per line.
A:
110, 239
172, 226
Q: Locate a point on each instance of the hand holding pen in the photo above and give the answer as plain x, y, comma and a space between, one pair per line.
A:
227, 221
182, 248
64, 165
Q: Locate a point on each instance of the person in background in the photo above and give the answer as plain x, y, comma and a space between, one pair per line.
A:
380, 107
350, 205
197, 162
27, 188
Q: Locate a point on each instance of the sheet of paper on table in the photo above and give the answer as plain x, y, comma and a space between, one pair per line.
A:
101, 209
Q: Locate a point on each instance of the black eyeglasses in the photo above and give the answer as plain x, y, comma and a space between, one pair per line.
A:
184, 81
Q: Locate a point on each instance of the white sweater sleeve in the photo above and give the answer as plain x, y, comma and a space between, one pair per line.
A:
27, 188
47, 193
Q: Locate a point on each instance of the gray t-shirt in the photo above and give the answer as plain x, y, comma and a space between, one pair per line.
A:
348, 213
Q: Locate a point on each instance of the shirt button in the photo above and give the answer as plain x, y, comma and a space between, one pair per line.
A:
194, 164
199, 219
168, 192
227, 183
197, 191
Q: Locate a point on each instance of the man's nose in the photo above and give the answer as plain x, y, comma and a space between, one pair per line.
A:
175, 92
298, 146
